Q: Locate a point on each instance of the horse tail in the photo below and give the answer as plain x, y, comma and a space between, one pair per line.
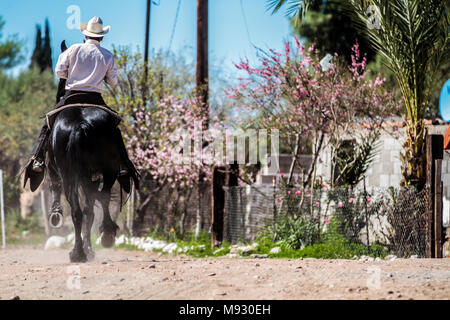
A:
76, 158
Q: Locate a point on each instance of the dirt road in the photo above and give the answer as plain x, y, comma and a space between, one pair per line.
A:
33, 273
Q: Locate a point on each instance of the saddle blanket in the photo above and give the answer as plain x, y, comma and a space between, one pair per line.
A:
51, 116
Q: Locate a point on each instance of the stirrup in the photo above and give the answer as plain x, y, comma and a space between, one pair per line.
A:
123, 169
38, 166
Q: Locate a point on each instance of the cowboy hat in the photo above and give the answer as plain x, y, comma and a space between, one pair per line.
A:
94, 28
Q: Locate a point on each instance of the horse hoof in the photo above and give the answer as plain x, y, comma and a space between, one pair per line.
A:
90, 254
77, 256
56, 220
108, 240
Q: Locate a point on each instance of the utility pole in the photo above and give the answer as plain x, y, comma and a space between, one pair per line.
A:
147, 36
202, 92
202, 57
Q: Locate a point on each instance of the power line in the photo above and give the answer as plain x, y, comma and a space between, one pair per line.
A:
174, 24
246, 24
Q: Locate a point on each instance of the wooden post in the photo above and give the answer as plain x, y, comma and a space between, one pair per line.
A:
231, 180
202, 57
2, 210
438, 209
202, 89
435, 151
147, 37
217, 205
146, 50
44, 212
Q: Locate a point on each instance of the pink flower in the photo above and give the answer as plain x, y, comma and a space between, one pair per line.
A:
341, 204
317, 203
281, 198
351, 200
281, 175
326, 220
369, 199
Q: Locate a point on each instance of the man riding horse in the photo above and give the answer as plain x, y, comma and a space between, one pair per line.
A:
84, 66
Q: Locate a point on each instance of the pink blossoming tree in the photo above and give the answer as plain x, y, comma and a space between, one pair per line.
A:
317, 104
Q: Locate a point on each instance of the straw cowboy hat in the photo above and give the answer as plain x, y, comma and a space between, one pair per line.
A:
94, 28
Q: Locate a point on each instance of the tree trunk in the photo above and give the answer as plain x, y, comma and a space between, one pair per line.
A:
414, 156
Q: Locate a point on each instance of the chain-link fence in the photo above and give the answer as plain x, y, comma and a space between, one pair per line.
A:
395, 218
170, 208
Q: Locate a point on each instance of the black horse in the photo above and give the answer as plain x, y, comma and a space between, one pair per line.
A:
82, 146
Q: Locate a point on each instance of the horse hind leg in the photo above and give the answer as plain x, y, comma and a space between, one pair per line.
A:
88, 220
77, 254
55, 216
108, 228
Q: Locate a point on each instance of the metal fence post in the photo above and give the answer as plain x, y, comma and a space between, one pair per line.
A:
2, 210
438, 209
367, 216
434, 148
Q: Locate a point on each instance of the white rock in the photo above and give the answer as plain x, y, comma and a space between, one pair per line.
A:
364, 258
378, 259
390, 258
121, 240
55, 242
169, 248
70, 238
246, 250
275, 250
218, 251
147, 247
232, 255
414, 256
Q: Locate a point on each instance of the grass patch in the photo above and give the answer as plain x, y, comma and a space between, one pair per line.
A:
24, 231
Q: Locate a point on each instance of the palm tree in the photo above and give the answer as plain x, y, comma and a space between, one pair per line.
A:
296, 8
412, 36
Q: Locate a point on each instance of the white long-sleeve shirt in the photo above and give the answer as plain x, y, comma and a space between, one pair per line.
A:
86, 65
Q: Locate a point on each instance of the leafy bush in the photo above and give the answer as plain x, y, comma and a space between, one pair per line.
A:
19, 229
293, 231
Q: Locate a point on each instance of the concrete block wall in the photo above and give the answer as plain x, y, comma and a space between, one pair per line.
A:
385, 170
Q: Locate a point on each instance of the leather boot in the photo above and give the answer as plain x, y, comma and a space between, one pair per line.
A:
35, 168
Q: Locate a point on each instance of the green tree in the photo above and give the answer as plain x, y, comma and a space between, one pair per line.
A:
46, 59
37, 52
10, 54
42, 53
331, 31
24, 101
412, 38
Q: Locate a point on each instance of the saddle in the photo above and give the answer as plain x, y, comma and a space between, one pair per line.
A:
80, 99
51, 116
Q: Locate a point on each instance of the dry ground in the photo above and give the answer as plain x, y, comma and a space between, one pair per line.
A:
33, 273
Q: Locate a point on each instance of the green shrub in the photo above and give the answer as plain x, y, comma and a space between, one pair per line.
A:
20, 229
293, 231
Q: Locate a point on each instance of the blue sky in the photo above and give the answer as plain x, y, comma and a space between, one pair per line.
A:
228, 37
